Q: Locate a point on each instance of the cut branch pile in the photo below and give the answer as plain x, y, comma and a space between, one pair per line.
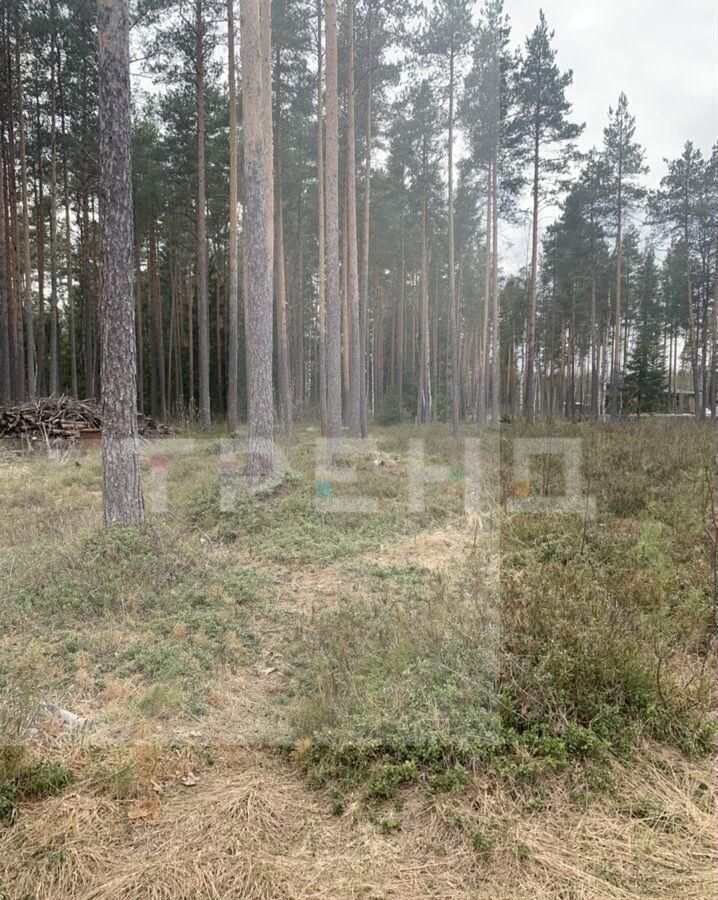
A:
53, 418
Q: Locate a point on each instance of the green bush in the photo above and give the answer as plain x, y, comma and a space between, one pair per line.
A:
603, 636
23, 779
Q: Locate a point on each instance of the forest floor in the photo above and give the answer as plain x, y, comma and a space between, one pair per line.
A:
286, 701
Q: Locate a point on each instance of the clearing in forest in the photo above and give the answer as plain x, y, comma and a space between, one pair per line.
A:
288, 702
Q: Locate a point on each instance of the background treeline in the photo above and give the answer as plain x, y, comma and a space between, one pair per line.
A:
617, 304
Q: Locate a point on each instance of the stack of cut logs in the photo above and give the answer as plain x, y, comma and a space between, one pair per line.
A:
53, 418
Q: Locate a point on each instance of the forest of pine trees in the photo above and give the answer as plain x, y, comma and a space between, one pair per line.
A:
331, 247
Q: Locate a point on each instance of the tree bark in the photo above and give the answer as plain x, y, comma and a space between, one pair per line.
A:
29, 324
483, 394
54, 312
333, 305
355, 361
571, 411
68, 248
280, 279
40, 247
232, 267
259, 243
594, 324
87, 292
400, 325
156, 325
454, 318
205, 414
692, 332
494, 312
531, 325
298, 310
378, 349
139, 325
366, 223
190, 344
5, 367
218, 330
423, 413
321, 274
615, 356
121, 495
15, 318
714, 342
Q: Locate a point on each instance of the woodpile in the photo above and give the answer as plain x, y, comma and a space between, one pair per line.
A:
53, 418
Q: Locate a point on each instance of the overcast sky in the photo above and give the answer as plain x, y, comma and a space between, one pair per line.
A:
662, 53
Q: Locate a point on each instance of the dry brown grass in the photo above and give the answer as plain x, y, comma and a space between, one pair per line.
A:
251, 830
439, 550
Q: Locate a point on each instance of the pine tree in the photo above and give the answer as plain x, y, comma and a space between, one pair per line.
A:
546, 136
679, 204
448, 34
333, 305
232, 257
644, 385
485, 108
5, 337
121, 496
591, 187
27, 273
355, 398
202, 276
423, 158
259, 247
624, 163
321, 243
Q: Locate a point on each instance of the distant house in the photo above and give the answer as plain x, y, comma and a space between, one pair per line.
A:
681, 401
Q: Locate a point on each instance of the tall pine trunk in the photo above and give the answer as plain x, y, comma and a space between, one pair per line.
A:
88, 329
54, 311
321, 274
139, 326
156, 324
232, 262
40, 374
366, 223
205, 415
259, 243
378, 348
495, 322
17, 352
423, 411
354, 321
616, 353
29, 324
68, 248
692, 332
454, 317
333, 305
531, 324
714, 343
483, 393
593, 325
400, 319
280, 272
298, 310
121, 495
5, 367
